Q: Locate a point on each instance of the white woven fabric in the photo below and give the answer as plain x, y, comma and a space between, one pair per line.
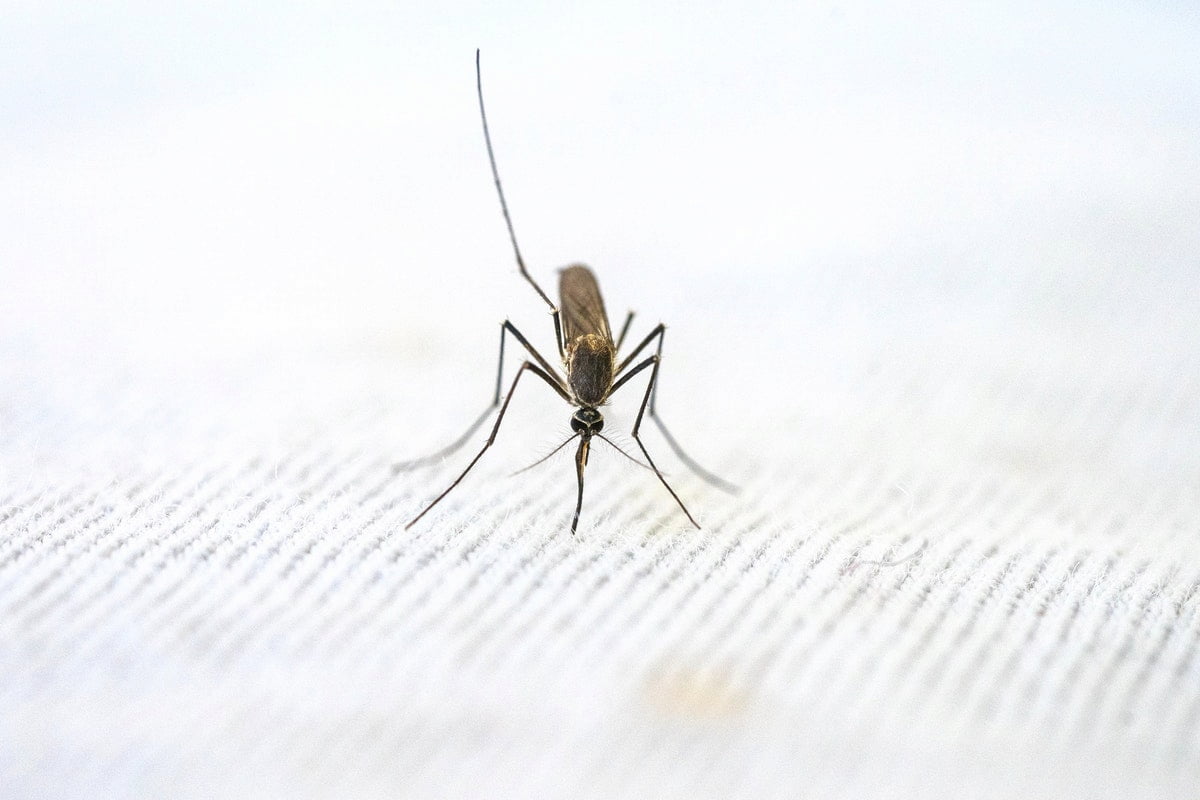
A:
965, 561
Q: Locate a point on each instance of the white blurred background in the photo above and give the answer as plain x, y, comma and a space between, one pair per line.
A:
177, 174
773, 180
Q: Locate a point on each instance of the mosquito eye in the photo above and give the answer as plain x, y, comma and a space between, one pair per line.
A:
577, 425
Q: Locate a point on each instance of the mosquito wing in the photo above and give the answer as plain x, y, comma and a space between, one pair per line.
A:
581, 306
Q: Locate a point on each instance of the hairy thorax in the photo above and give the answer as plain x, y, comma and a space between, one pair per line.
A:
590, 362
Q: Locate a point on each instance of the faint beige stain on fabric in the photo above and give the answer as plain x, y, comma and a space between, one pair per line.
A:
695, 693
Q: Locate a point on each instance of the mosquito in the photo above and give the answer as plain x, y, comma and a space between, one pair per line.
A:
594, 371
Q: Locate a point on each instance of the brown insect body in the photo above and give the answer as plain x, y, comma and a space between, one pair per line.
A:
589, 353
590, 358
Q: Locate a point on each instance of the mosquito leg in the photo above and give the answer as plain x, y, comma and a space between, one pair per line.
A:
506, 327
527, 365
512, 234
542, 362
652, 360
659, 332
624, 330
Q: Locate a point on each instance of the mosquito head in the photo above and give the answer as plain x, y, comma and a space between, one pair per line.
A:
587, 421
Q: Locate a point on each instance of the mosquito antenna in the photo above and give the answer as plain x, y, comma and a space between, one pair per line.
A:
617, 447
545, 457
487, 138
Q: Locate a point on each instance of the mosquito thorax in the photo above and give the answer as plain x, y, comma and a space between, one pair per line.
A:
588, 421
590, 363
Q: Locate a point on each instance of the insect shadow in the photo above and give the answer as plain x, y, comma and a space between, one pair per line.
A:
594, 371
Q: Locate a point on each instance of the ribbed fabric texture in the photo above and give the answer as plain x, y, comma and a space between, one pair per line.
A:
966, 569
